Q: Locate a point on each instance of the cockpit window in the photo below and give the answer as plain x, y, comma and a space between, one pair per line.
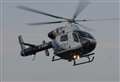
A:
64, 38
76, 39
83, 34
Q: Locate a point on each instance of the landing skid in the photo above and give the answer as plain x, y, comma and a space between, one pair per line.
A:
89, 60
74, 61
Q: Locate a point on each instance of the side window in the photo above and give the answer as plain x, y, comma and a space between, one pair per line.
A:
64, 38
75, 37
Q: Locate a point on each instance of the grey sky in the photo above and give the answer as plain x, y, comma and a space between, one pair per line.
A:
17, 68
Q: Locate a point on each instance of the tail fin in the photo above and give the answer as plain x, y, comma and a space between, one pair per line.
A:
25, 51
21, 42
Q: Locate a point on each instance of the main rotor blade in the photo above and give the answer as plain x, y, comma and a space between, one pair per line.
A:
40, 12
97, 20
43, 23
81, 6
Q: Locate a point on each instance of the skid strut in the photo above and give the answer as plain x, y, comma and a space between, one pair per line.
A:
53, 58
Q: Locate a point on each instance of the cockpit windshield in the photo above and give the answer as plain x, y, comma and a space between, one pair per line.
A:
78, 35
83, 34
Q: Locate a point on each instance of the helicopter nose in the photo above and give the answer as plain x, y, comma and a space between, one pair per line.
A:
93, 44
89, 45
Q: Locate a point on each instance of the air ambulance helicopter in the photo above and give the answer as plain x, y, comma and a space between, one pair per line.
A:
69, 42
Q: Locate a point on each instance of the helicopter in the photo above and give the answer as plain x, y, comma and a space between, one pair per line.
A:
68, 42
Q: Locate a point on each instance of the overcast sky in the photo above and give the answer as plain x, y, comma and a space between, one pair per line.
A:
19, 69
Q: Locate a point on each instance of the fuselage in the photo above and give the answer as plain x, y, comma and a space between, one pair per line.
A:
69, 41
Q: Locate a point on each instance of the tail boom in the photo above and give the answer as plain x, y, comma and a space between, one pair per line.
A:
32, 49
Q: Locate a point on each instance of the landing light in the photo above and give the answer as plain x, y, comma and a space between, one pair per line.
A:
76, 57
